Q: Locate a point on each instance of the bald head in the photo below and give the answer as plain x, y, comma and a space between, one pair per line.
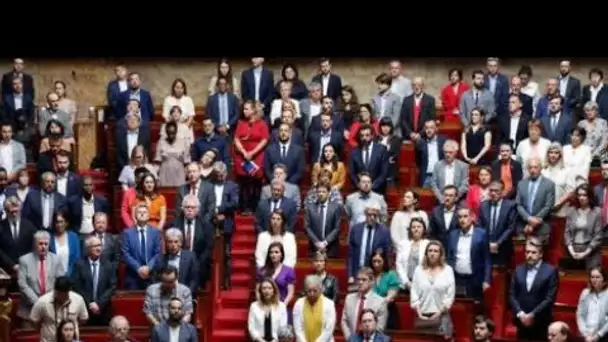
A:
558, 332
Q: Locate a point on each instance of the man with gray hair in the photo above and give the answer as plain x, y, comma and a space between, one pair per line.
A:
450, 171
37, 273
226, 203
197, 187
40, 204
184, 261
311, 106
128, 135
16, 235
292, 191
313, 288
119, 329
197, 236
277, 202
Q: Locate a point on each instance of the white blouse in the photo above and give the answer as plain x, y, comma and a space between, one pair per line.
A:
433, 293
289, 246
563, 184
577, 161
184, 102
277, 106
400, 225
403, 258
525, 151
257, 315
63, 252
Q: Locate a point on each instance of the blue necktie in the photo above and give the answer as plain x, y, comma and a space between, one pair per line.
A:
95, 280
532, 194
142, 244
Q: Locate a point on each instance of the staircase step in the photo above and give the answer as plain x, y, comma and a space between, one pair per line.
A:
230, 335
242, 220
230, 318
242, 265
246, 229
244, 240
248, 252
237, 294
242, 279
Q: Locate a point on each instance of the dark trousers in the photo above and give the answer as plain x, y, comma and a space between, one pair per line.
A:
227, 259
250, 191
466, 284
536, 332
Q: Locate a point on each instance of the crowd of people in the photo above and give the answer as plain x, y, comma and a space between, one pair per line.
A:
534, 150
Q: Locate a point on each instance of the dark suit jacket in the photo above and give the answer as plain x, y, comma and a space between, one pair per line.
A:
133, 258
100, 204
481, 262
393, 152
45, 163
502, 234
262, 214
294, 160
28, 84
266, 91
213, 109
313, 227
337, 124
204, 144
504, 128
428, 111
573, 92
206, 197
378, 337
11, 250
438, 228
299, 90
334, 88
107, 278
516, 175
315, 148
202, 246
74, 187
381, 240
562, 131
297, 137
146, 105
527, 106
229, 204
422, 155
601, 100
32, 207
187, 333
188, 274
122, 155
541, 297
501, 93
112, 96
377, 166
111, 248
9, 111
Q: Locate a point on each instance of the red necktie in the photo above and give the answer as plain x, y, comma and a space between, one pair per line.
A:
605, 207
359, 311
42, 277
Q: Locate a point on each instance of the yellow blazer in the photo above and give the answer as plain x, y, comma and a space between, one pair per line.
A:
338, 177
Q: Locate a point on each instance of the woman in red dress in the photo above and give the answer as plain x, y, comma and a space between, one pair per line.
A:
366, 116
479, 192
250, 140
451, 93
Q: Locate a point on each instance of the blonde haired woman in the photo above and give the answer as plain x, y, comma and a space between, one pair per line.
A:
432, 292
564, 182
267, 315
277, 105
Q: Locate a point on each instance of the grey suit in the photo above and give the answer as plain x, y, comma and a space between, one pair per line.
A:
206, 197
582, 313
18, 156
187, 333
313, 225
111, 248
372, 301
542, 205
292, 192
44, 116
305, 114
29, 285
590, 236
392, 109
461, 178
485, 102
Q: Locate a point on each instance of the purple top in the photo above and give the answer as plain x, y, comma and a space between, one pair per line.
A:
286, 276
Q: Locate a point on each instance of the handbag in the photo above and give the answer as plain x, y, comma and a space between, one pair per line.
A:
427, 323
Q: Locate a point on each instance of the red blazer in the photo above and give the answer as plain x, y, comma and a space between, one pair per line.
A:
473, 200
354, 132
451, 101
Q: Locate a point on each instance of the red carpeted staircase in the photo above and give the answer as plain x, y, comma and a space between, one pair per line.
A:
230, 314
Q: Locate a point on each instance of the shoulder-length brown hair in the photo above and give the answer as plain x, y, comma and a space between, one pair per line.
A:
140, 188
281, 214
274, 300
604, 274
414, 194
425, 262
590, 195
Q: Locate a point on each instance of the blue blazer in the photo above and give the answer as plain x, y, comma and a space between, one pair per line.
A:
100, 204
202, 145
132, 256
262, 214
337, 124
266, 91
382, 240
562, 131
542, 107
422, 156
377, 167
480, 253
112, 96
501, 93
74, 185
12, 191
315, 148
213, 109
9, 111
73, 248
32, 207
334, 88
506, 221
145, 102
378, 337
541, 297
297, 137
294, 160
230, 202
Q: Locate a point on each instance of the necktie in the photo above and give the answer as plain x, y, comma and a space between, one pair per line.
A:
188, 235
366, 156
142, 244
15, 232
283, 151
42, 276
275, 205
193, 190
368, 243
493, 219
553, 123
322, 216
95, 279
531, 195
359, 311
605, 208
476, 98
100, 236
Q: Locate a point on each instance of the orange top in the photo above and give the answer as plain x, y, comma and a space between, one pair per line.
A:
154, 207
505, 176
338, 177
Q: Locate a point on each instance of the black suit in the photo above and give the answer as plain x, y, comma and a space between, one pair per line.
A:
28, 84
538, 300
202, 245
11, 250
315, 148
516, 175
188, 273
573, 93
9, 112
601, 99
82, 279
122, 155
110, 249
45, 163
393, 151
428, 111
504, 227
504, 129
438, 228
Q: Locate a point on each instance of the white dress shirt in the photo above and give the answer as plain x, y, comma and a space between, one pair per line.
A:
325, 82
514, 124
123, 85
448, 215
449, 174
88, 211
62, 184
174, 333
6, 153
132, 137
432, 154
219, 194
463, 253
